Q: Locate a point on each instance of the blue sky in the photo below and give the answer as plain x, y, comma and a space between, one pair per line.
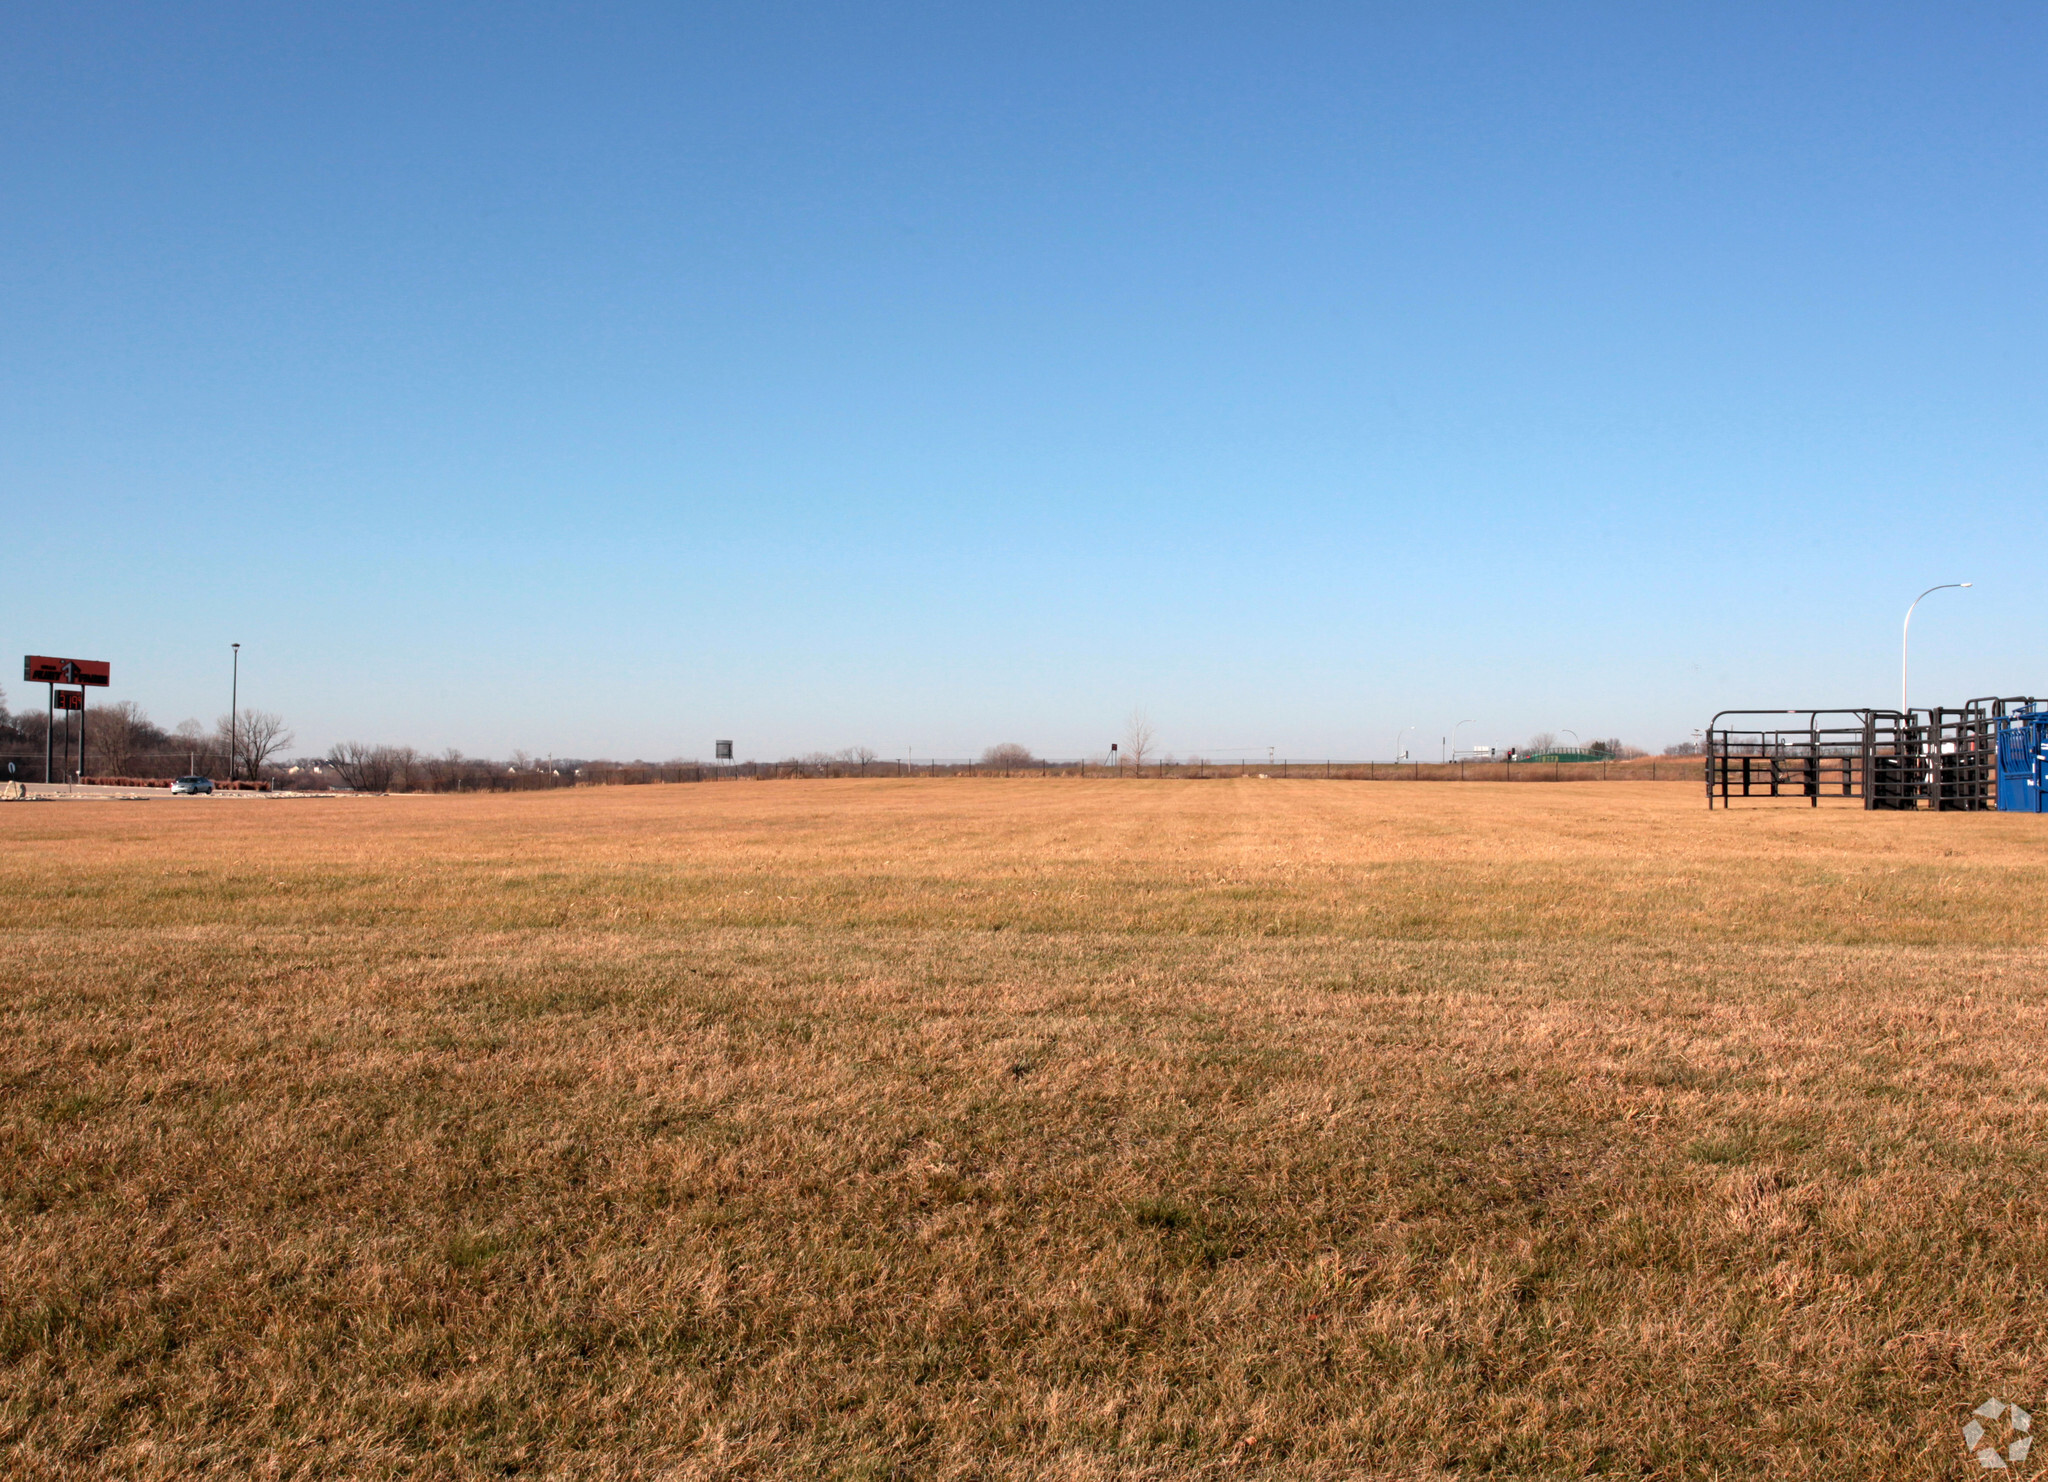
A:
604, 380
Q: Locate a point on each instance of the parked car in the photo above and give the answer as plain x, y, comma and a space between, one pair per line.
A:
192, 785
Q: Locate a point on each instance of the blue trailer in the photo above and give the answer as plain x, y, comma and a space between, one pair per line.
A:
2023, 759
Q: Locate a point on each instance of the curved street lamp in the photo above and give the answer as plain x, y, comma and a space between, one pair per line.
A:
1906, 641
1397, 739
1454, 735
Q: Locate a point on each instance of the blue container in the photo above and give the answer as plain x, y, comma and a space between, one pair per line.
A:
2022, 761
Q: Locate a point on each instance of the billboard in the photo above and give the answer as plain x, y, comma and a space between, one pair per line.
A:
42, 669
71, 699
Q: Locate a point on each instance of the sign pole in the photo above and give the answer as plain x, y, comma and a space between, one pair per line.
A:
50, 735
81, 736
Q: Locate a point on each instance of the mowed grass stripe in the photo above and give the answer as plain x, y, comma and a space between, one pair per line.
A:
1226, 858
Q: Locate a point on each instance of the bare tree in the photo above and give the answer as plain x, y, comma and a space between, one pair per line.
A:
1138, 738
1542, 741
368, 768
203, 753
855, 756
261, 735
407, 768
361, 767
256, 737
1008, 757
27, 726
119, 732
444, 772
451, 771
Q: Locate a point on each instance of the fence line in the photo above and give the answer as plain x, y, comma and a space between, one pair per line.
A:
1654, 769
477, 775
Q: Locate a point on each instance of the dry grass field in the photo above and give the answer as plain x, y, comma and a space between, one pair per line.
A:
1018, 1129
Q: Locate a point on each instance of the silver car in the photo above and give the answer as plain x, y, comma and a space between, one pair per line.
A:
192, 785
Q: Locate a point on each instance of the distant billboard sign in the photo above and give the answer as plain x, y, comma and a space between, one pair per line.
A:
71, 699
42, 669
724, 753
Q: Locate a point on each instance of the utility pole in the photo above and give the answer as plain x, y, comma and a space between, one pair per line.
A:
234, 700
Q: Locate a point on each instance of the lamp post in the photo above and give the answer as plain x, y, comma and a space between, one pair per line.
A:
1906, 641
234, 700
1454, 735
1576, 745
1398, 753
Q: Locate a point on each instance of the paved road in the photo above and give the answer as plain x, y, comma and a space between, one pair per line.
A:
60, 792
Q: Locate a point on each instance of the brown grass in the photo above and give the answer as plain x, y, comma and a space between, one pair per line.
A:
1017, 1129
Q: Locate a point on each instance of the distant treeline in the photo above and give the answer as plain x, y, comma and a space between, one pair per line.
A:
121, 740
362, 767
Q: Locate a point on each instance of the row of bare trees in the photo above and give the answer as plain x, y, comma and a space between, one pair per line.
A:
1611, 748
854, 756
366, 768
122, 741
370, 768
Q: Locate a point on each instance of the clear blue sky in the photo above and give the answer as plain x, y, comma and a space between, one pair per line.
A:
607, 379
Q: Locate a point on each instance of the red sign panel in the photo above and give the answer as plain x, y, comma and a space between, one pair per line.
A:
42, 669
71, 699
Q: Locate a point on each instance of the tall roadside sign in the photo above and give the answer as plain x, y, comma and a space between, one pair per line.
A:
44, 669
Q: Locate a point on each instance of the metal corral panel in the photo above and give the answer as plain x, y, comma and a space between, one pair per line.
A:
1989, 752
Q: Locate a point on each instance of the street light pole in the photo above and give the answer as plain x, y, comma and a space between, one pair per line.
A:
234, 718
1906, 641
1397, 739
1454, 735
